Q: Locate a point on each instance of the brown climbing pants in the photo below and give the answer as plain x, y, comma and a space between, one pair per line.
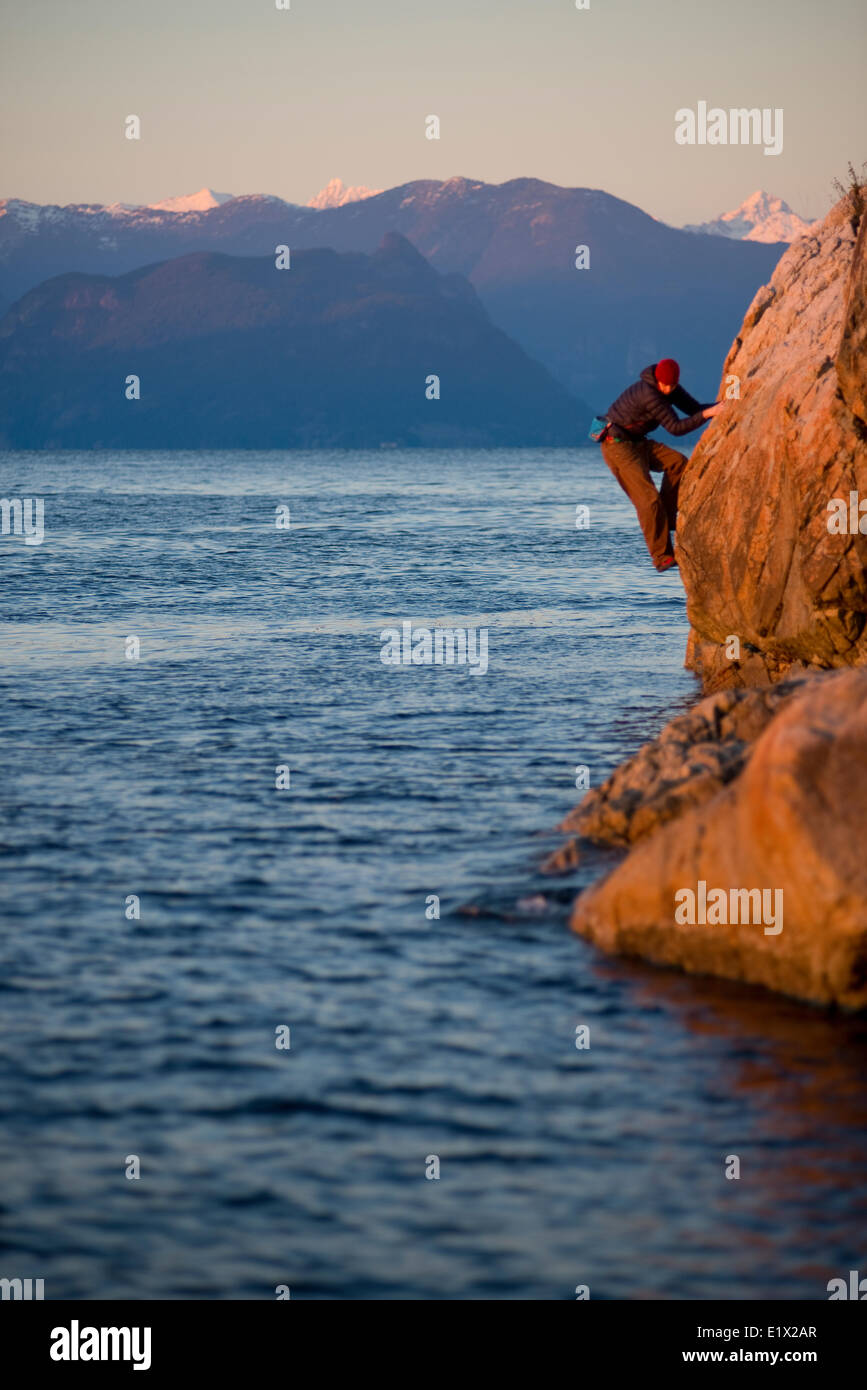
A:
657, 511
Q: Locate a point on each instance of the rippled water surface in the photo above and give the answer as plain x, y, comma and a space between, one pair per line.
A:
306, 907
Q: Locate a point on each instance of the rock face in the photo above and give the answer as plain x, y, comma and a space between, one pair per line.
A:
745, 819
756, 555
790, 823
852, 356
695, 756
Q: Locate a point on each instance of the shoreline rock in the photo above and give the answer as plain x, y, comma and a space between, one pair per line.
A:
696, 755
791, 820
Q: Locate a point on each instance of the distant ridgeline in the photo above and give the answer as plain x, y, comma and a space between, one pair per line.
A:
308, 350
588, 285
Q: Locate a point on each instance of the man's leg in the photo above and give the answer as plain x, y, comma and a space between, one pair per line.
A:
672, 464
629, 464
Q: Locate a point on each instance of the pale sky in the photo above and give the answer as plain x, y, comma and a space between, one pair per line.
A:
246, 98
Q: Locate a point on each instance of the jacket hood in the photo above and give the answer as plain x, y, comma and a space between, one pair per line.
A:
649, 375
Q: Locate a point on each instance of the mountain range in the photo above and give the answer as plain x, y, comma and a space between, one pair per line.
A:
335, 194
648, 290
761, 217
337, 350
202, 201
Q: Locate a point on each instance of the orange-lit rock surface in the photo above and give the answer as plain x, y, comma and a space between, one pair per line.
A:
755, 552
792, 821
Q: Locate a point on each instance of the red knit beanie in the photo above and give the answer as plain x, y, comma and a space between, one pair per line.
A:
667, 372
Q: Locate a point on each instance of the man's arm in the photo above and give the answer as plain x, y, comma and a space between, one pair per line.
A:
665, 416
685, 402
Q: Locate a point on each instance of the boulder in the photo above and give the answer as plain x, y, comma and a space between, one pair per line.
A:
789, 823
696, 755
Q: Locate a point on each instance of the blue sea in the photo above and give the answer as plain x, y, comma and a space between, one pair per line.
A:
312, 907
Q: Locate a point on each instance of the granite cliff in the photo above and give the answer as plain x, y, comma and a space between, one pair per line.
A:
744, 820
758, 559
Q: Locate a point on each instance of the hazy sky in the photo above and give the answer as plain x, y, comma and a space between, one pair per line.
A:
245, 98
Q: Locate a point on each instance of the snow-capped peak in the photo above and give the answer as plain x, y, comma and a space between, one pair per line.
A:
202, 201
761, 217
335, 194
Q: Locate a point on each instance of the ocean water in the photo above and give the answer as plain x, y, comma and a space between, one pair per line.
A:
411, 1036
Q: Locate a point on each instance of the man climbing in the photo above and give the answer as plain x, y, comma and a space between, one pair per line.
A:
631, 455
